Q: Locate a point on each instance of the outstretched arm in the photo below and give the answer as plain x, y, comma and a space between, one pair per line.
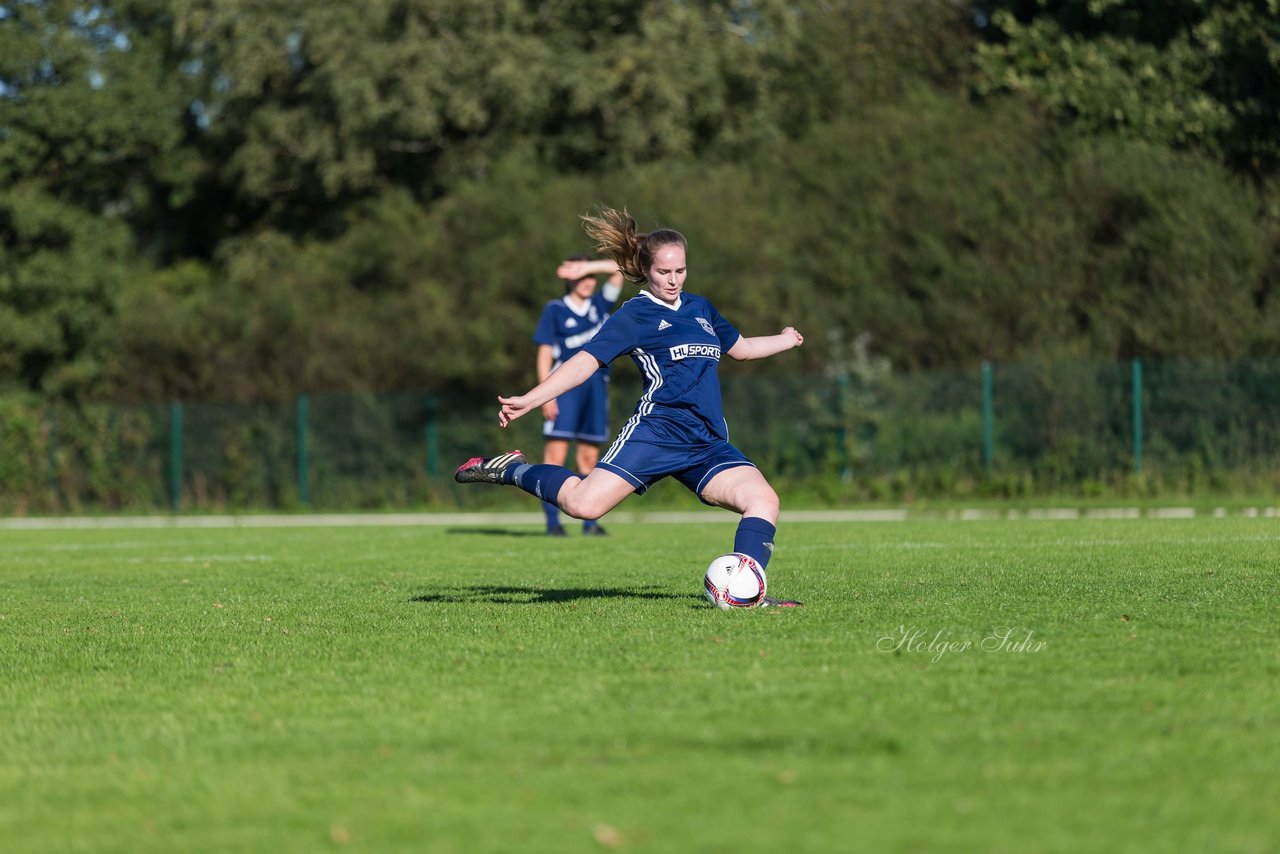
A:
571, 374
764, 346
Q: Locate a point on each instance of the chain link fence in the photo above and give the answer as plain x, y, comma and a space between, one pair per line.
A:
862, 434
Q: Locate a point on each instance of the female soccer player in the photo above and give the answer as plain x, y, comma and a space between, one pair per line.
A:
678, 428
581, 414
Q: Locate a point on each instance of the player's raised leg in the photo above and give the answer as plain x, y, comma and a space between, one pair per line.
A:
593, 496
489, 469
587, 497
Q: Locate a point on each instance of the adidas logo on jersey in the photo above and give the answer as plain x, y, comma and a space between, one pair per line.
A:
663, 325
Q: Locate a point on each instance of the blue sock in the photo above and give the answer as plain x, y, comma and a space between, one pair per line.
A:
553, 514
539, 480
755, 538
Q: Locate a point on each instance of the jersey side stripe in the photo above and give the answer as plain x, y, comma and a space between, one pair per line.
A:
650, 367
655, 379
634, 420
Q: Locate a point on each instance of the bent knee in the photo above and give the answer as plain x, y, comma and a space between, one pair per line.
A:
763, 503
582, 508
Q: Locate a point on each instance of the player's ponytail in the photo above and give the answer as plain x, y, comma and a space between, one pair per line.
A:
616, 237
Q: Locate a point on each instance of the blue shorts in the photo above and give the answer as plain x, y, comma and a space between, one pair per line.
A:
643, 464
584, 412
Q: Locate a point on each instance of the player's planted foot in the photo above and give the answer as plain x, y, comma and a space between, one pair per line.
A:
557, 531
594, 531
487, 469
771, 602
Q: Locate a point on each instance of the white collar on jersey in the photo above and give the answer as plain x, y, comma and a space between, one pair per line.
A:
679, 300
581, 312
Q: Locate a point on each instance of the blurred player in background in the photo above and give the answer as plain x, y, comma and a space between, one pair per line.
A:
678, 428
580, 414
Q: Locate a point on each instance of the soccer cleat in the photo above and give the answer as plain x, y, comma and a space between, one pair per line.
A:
594, 531
770, 602
487, 469
557, 531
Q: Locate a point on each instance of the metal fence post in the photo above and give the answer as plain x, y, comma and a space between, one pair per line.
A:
51, 459
431, 437
304, 460
842, 430
1137, 416
988, 438
175, 456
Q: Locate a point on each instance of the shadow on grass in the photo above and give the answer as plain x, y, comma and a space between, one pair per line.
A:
494, 532
535, 596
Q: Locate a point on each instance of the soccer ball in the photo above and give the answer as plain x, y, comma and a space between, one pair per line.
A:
734, 581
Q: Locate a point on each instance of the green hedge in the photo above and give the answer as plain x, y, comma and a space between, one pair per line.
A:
1062, 427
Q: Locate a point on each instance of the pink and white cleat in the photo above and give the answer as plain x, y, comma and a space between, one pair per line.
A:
488, 469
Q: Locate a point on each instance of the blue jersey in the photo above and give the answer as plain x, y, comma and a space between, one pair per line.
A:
566, 328
678, 350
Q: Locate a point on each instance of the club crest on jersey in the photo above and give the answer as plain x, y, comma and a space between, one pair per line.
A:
695, 351
706, 324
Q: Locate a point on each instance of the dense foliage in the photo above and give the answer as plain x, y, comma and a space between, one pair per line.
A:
205, 199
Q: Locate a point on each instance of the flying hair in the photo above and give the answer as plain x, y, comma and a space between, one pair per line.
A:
616, 237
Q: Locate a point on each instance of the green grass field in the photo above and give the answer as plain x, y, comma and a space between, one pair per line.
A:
472, 689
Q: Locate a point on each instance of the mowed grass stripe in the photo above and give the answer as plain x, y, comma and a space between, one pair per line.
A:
488, 689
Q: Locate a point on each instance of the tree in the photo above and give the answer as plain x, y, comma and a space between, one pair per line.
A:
1201, 74
309, 107
93, 107
60, 270
90, 146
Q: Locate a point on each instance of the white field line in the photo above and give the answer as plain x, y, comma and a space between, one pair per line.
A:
371, 520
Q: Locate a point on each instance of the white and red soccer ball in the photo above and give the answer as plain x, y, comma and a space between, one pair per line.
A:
734, 581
